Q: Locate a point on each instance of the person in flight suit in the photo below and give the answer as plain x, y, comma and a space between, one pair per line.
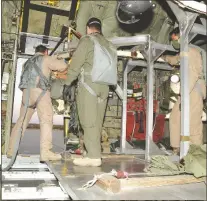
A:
46, 64
197, 90
90, 109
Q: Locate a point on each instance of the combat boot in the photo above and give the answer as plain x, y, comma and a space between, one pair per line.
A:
46, 144
87, 162
47, 155
9, 154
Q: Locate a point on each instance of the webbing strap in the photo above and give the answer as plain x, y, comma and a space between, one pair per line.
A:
88, 88
37, 101
184, 138
91, 91
183, 54
42, 77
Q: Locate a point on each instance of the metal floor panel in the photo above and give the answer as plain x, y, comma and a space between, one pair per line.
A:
73, 177
24, 162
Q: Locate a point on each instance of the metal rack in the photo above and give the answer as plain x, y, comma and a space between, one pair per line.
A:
151, 52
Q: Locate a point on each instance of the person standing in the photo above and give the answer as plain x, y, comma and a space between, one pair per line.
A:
197, 90
35, 85
91, 97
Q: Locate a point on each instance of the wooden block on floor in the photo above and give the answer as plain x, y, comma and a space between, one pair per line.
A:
159, 181
109, 184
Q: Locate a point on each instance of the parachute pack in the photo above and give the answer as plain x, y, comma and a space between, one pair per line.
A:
104, 70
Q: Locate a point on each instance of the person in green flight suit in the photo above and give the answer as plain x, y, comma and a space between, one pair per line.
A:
91, 109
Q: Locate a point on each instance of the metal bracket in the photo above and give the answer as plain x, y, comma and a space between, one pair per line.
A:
186, 24
179, 13
8, 187
203, 21
151, 54
191, 36
185, 17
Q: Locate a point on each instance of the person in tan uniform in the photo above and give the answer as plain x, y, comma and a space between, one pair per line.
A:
46, 64
197, 90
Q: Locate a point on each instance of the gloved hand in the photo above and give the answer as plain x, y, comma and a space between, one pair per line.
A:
61, 75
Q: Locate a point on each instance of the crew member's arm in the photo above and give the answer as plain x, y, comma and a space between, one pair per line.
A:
172, 60
195, 67
77, 61
55, 64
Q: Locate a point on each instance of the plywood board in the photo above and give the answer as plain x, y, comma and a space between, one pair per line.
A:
159, 181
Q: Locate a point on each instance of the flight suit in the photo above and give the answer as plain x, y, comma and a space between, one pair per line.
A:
196, 100
158, 24
103, 10
44, 111
91, 109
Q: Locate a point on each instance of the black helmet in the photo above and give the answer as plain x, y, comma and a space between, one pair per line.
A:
133, 9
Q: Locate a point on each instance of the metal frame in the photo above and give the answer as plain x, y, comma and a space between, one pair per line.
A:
12, 192
42, 183
151, 52
42, 8
11, 87
28, 175
188, 30
26, 163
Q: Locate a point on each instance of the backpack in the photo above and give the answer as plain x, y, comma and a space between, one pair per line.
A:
32, 70
104, 69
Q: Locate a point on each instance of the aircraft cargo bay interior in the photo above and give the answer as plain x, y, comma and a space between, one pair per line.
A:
103, 100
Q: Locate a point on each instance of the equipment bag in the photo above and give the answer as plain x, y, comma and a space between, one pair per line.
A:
32, 70
104, 69
29, 75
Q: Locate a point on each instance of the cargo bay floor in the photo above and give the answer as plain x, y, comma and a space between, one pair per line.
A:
72, 178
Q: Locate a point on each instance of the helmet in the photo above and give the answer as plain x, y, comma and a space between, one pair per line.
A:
133, 9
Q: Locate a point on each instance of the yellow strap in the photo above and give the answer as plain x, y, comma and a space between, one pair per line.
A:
184, 138
78, 5
70, 34
21, 17
53, 2
184, 54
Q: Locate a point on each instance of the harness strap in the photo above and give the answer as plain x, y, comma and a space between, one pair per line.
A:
44, 79
87, 87
37, 101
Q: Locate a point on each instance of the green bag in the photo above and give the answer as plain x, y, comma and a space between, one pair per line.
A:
195, 161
